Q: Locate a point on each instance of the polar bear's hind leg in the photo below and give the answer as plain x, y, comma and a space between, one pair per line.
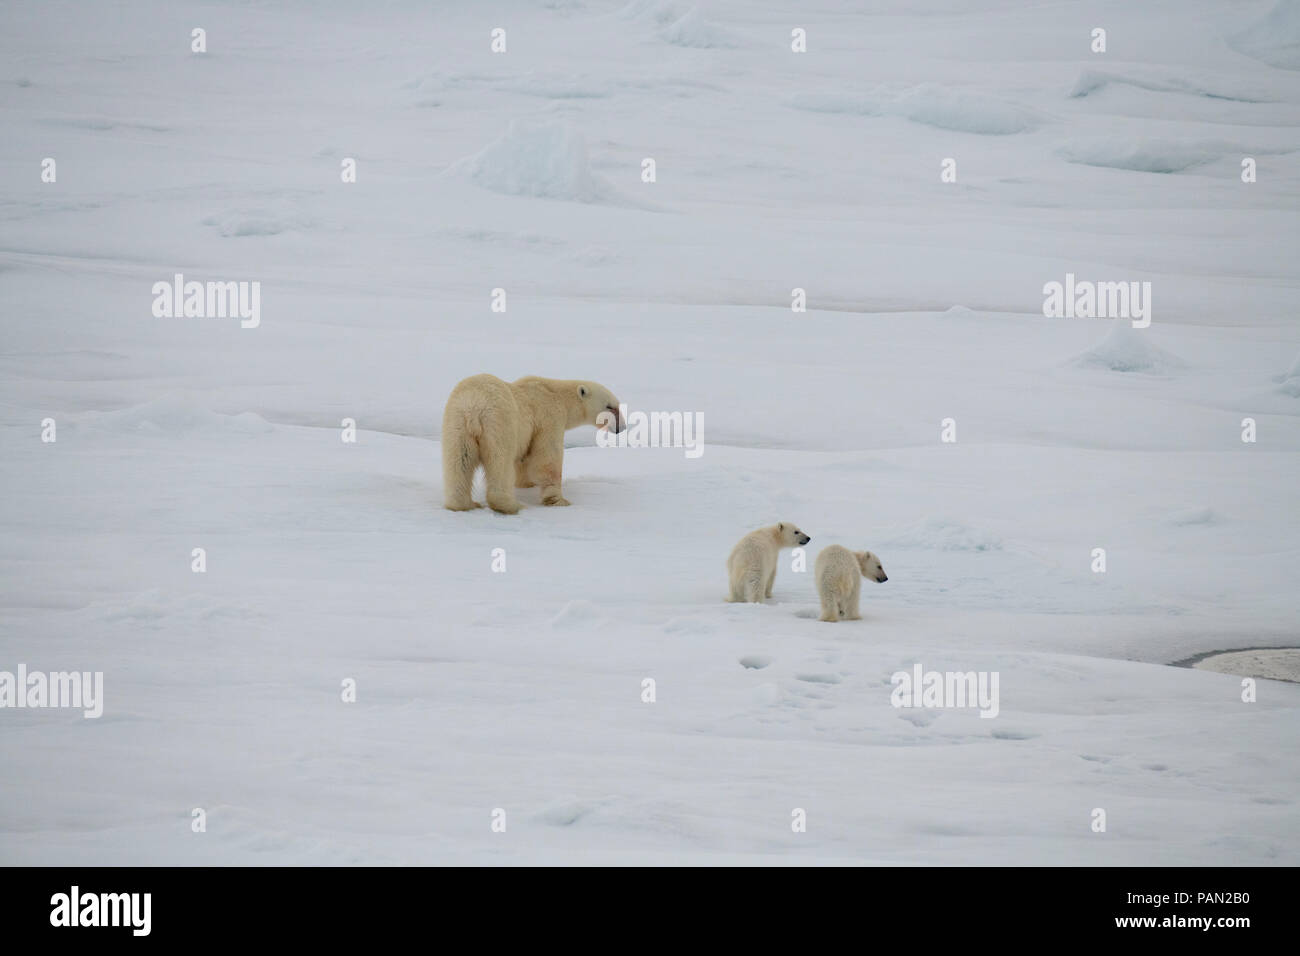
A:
459, 462
499, 470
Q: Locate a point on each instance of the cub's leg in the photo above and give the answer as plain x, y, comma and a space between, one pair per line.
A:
851, 612
829, 611
735, 592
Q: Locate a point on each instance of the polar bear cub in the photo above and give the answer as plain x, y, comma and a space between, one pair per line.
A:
751, 568
839, 573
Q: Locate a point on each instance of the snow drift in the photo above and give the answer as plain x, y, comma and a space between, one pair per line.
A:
547, 160
172, 415
1126, 349
1274, 38
694, 30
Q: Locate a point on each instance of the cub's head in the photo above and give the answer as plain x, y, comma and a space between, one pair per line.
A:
791, 536
871, 567
600, 407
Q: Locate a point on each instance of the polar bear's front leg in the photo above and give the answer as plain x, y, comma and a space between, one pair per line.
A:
551, 488
771, 579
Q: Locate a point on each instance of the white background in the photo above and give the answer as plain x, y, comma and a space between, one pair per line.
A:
775, 170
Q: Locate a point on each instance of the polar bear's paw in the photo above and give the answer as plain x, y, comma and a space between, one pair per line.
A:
556, 500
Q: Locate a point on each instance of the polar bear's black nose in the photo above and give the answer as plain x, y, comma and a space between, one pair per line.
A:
883, 578
805, 540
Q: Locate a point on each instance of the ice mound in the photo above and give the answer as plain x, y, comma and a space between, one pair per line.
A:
1126, 349
1150, 156
564, 814
662, 12
543, 159
946, 534
963, 112
1192, 517
173, 415
1093, 81
928, 104
1090, 81
1290, 380
1275, 38
255, 222
693, 30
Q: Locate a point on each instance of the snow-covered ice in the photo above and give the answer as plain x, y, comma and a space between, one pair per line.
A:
330, 561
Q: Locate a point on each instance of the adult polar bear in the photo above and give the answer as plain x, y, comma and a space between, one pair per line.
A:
515, 430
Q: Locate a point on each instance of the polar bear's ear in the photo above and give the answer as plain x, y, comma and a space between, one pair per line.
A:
582, 391
781, 526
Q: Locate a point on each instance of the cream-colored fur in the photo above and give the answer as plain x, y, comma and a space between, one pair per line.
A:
515, 431
839, 573
751, 568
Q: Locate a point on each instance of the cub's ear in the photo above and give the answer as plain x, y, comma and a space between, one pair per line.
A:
582, 391
781, 526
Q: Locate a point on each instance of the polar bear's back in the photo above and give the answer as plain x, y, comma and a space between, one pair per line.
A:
756, 550
836, 570
486, 405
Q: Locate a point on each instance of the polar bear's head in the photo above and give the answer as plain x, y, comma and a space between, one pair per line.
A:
599, 407
790, 535
871, 566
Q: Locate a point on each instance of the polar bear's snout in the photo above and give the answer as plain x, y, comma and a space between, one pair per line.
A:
803, 538
610, 418
614, 416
